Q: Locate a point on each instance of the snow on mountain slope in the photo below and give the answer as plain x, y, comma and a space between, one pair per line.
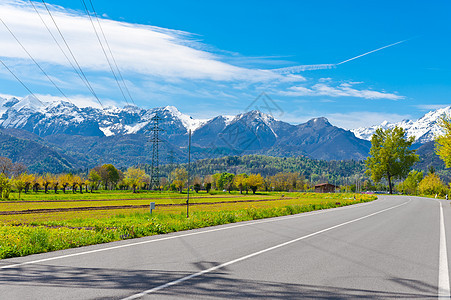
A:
64, 124
424, 129
31, 114
63, 117
187, 121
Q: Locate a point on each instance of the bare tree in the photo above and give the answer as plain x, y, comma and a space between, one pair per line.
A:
18, 169
6, 166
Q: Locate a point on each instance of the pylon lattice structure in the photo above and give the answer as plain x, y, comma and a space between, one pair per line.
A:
155, 164
171, 159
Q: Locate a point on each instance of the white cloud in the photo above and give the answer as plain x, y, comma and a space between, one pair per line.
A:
428, 107
302, 68
343, 90
159, 65
140, 49
78, 100
6, 96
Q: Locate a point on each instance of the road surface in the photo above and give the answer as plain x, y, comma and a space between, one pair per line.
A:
394, 247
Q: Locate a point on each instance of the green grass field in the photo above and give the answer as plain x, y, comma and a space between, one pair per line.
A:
43, 231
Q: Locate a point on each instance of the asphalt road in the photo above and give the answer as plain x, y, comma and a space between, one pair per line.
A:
394, 247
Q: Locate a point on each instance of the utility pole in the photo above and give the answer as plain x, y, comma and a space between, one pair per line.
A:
171, 163
155, 164
189, 166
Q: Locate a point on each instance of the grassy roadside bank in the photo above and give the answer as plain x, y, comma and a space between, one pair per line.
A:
53, 233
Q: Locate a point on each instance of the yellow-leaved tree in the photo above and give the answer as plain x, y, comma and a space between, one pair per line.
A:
443, 141
240, 181
431, 185
134, 177
19, 183
179, 176
254, 181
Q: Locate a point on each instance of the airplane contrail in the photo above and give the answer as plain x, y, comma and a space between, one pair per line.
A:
298, 69
301, 68
378, 49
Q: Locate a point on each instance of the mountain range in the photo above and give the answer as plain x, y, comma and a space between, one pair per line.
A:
61, 136
424, 129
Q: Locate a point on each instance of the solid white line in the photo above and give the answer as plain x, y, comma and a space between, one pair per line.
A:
443, 273
183, 235
155, 289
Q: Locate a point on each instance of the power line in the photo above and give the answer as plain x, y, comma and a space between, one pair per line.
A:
111, 53
103, 49
59, 46
72, 54
21, 82
31, 57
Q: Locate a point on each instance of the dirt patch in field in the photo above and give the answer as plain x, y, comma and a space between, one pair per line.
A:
125, 199
53, 210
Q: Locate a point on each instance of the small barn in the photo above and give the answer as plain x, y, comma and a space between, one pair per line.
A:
325, 188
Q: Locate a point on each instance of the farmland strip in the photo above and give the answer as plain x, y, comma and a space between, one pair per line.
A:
126, 199
109, 207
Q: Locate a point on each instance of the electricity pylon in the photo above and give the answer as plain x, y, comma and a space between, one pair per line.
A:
155, 164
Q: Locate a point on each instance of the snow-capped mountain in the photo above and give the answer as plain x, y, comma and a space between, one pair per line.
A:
113, 132
424, 129
46, 118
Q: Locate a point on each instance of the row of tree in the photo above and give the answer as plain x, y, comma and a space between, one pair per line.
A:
106, 176
282, 181
109, 177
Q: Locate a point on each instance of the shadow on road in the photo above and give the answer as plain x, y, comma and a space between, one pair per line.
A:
220, 284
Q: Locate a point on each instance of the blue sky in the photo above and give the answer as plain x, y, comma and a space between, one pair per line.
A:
215, 57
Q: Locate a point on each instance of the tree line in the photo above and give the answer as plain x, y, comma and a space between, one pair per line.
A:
178, 180
107, 176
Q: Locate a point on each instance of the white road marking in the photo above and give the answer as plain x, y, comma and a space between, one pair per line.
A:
171, 283
183, 235
443, 272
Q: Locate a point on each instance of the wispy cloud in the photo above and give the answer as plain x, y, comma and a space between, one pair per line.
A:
160, 65
140, 49
428, 107
78, 100
349, 120
302, 68
356, 119
343, 90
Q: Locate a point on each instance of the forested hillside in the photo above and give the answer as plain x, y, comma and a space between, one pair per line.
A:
268, 166
37, 157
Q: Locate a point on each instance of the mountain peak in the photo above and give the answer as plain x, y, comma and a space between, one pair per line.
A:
9, 102
188, 122
321, 121
172, 109
256, 114
30, 102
